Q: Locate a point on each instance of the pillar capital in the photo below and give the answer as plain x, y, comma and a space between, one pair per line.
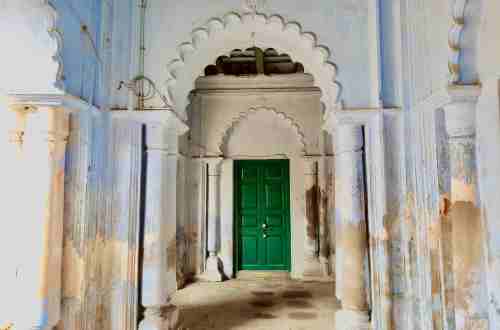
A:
214, 165
159, 139
62, 101
348, 138
15, 127
165, 118
461, 111
311, 165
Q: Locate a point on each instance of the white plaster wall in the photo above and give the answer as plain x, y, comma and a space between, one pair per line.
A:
263, 134
215, 114
342, 26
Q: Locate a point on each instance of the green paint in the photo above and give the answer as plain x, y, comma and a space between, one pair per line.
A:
262, 215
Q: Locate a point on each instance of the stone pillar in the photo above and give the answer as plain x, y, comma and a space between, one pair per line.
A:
311, 259
44, 145
213, 271
11, 192
467, 228
352, 239
159, 259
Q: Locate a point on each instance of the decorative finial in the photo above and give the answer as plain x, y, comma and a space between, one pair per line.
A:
254, 6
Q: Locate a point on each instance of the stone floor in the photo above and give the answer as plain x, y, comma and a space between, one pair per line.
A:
257, 305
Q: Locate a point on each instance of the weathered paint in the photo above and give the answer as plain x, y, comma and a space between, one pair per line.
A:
312, 214
96, 244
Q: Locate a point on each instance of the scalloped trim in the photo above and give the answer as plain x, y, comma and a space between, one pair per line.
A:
55, 34
295, 41
455, 39
230, 129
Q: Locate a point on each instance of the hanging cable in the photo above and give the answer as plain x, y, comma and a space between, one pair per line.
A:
84, 29
142, 86
141, 78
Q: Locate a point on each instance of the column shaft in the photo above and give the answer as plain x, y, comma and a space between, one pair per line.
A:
352, 240
467, 227
12, 194
324, 195
40, 273
213, 271
159, 260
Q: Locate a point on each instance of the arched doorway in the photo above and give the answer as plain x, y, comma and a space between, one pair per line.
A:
254, 105
207, 44
256, 134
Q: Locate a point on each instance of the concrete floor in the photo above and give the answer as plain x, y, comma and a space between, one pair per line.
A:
257, 305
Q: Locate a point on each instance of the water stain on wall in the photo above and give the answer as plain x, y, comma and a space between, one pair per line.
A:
312, 217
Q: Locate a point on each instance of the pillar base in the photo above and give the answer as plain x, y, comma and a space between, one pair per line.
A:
312, 268
346, 319
212, 272
160, 318
325, 266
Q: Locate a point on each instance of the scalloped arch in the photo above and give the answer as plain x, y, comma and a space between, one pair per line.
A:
464, 31
51, 15
221, 34
36, 46
455, 38
230, 129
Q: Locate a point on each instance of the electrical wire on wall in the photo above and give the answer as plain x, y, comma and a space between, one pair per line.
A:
88, 38
143, 87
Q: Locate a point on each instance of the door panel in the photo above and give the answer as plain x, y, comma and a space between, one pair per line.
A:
274, 250
250, 250
274, 196
262, 215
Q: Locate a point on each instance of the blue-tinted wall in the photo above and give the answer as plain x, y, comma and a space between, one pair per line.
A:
80, 25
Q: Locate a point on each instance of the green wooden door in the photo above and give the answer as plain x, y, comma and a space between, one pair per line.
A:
262, 215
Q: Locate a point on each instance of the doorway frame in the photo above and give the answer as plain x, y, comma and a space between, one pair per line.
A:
236, 236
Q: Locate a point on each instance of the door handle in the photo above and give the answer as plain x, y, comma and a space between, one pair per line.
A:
264, 236
264, 226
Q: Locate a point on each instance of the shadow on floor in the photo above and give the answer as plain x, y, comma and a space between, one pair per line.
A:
260, 304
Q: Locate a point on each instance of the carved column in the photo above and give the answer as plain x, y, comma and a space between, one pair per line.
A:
311, 260
44, 145
159, 259
352, 240
213, 271
465, 213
